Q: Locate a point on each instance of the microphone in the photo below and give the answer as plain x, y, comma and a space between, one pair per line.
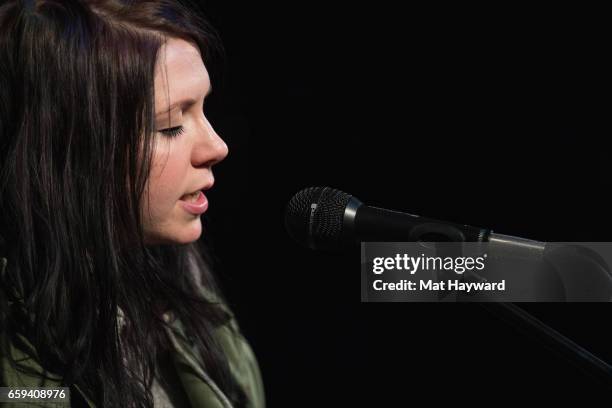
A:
329, 219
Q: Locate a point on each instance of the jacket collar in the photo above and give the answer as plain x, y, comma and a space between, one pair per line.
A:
202, 393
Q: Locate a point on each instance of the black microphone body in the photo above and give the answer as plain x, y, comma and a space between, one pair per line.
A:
330, 219
371, 224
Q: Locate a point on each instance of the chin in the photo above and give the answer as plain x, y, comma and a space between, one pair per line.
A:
180, 236
175, 233
188, 234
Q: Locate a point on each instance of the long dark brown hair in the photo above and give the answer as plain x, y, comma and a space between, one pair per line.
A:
76, 140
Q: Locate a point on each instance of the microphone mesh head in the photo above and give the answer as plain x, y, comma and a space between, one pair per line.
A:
314, 217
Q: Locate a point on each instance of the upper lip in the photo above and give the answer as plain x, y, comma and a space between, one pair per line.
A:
205, 187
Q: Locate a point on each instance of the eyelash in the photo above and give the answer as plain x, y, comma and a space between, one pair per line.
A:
174, 131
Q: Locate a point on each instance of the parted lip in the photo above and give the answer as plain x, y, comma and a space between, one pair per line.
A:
205, 187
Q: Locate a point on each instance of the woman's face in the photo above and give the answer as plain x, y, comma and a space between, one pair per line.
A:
182, 163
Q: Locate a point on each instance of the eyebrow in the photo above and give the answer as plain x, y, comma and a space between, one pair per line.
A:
185, 103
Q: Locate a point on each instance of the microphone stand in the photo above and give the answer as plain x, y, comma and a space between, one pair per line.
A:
530, 325
545, 334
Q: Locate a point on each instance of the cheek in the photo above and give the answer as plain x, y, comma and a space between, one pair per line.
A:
166, 181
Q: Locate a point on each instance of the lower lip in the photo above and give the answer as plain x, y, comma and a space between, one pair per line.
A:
197, 207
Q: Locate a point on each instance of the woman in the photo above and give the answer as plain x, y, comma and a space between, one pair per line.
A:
105, 286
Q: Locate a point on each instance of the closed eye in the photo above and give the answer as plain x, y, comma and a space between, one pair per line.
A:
173, 131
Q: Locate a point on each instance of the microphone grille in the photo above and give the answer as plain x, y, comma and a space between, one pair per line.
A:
314, 217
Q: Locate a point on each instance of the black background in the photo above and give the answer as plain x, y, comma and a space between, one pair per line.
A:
490, 117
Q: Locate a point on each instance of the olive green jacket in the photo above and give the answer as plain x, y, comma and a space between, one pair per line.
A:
201, 391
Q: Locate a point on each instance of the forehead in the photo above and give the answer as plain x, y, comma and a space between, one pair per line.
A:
179, 72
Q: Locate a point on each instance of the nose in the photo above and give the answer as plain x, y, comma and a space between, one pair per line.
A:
209, 148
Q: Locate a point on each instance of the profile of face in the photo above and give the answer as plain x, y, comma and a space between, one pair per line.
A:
186, 146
